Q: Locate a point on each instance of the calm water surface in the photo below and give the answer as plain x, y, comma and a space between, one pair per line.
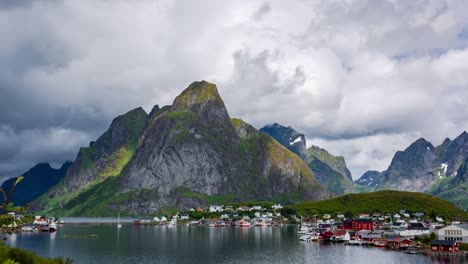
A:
183, 244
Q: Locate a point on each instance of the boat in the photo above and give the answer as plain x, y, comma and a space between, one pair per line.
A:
119, 225
354, 242
413, 250
27, 228
52, 227
172, 223
244, 224
315, 238
305, 237
379, 243
261, 224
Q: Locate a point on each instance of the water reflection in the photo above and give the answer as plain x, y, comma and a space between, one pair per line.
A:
183, 244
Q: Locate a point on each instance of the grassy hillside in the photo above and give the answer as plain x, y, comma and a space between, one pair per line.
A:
384, 202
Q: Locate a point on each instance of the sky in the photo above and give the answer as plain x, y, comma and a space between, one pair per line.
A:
360, 78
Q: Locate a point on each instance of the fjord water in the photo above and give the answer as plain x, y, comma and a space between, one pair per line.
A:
183, 244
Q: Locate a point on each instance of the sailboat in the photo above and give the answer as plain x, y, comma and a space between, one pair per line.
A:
119, 225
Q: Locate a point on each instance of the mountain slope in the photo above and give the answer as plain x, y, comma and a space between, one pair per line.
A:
287, 136
330, 171
37, 180
190, 150
102, 159
384, 202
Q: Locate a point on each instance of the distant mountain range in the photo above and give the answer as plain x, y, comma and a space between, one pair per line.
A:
181, 156
440, 170
36, 181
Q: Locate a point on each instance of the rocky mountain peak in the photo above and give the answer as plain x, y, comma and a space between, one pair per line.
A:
287, 136
154, 111
203, 99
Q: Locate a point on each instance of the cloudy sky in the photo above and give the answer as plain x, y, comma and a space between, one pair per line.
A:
360, 78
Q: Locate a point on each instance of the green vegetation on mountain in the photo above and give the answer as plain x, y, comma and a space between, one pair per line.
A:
330, 171
182, 156
384, 202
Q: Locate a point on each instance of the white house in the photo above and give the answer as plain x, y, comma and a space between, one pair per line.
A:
256, 208
276, 207
224, 216
184, 217
439, 219
454, 232
216, 208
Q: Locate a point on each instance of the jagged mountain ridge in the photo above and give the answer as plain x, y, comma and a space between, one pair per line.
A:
425, 168
186, 153
331, 171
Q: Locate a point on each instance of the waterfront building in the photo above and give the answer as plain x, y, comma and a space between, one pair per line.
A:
444, 245
454, 232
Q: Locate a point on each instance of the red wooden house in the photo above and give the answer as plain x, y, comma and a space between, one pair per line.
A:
327, 234
444, 245
358, 224
399, 242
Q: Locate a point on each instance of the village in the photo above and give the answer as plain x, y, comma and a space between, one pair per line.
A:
413, 233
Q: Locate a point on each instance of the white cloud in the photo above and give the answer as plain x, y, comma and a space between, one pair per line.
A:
362, 78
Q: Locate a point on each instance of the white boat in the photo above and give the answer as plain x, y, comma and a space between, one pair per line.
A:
52, 227
119, 225
27, 228
354, 242
172, 223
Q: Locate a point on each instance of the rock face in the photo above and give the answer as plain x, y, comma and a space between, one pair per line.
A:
184, 155
370, 179
425, 168
37, 180
109, 154
330, 171
287, 136
411, 169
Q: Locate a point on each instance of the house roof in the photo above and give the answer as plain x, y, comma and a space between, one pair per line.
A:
443, 242
363, 220
341, 233
398, 239
463, 226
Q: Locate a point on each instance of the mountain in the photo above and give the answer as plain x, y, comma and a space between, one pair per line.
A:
424, 168
411, 169
287, 136
37, 180
369, 180
454, 189
331, 171
383, 202
179, 157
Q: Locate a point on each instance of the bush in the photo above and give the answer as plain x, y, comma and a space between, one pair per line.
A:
10, 255
463, 246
